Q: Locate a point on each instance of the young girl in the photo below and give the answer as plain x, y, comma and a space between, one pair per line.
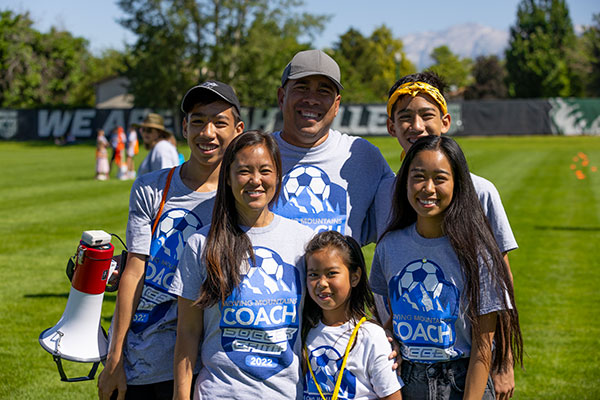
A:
102, 167
346, 357
449, 289
240, 286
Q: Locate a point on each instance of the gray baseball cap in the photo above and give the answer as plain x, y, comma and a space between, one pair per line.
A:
312, 62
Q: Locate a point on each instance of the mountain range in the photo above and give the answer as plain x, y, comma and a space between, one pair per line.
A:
466, 40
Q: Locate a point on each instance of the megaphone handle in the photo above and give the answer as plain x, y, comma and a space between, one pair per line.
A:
63, 376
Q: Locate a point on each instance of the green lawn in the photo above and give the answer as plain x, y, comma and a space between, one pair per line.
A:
48, 197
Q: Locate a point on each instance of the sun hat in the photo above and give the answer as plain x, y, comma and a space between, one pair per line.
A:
312, 62
222, 90
155, 121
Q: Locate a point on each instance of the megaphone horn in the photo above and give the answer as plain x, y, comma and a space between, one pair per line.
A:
78, 335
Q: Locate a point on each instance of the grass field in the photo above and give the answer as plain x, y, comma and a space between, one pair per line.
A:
48, 197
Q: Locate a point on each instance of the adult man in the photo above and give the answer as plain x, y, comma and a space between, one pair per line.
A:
142, 334
156, 139
330, 179
416, 108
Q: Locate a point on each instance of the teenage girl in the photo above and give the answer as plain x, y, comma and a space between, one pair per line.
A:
240, 286
448, 286
345, 357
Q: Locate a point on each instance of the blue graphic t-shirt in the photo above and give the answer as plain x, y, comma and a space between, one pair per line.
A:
174, 228
150, 341
251, 341
424, 282
310, 197
332, 186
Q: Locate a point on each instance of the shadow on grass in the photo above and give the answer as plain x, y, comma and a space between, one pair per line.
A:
46, 295
567, 228
111, 298
50, 143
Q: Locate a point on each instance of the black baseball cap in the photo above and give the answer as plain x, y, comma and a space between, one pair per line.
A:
222, 90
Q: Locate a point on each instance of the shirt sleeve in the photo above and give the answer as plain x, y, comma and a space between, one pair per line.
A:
382, 377
490, 293
139, 221
496, 214
191, 272
377, 279
372, 226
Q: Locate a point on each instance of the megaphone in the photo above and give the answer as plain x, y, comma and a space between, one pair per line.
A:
78, 335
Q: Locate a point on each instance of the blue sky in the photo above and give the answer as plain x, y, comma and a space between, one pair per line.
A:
96, 20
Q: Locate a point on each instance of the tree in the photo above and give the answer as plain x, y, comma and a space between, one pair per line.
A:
536, 58
370, 65
52, 69
245, 43
590, 42
161, 60
452, 68
488, 75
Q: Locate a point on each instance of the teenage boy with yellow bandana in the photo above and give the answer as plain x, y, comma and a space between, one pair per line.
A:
416, 108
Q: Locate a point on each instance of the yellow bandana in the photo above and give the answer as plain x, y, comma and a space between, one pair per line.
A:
414, 88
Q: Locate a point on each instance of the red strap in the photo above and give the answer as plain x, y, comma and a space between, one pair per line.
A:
164, 197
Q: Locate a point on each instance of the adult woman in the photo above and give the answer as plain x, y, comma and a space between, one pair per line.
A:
240, 285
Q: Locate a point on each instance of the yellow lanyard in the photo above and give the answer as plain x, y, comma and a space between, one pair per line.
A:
338, 381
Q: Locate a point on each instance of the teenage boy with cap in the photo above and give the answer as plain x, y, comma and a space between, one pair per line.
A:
142, 334
156, 139
416, 108
330, 179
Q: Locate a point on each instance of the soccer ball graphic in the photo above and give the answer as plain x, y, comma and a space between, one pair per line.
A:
269, 275
426, 279
308, 188
422, 273
176, 226
323, 362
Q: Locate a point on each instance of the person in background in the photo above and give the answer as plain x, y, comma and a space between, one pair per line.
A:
162, 154
132, 150
139, 364
102, 167
117, 144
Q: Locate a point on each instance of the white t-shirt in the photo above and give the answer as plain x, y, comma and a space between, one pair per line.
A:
368, 373
162, 155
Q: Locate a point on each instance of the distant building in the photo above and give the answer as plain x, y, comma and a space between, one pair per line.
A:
113, 93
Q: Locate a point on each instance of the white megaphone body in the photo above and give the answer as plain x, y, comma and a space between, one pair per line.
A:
78, 335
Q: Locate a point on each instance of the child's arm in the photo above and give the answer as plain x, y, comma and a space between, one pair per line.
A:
481, 357
393, 396
190, 323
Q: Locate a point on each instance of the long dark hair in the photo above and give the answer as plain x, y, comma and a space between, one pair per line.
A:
471, 237
227, 245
